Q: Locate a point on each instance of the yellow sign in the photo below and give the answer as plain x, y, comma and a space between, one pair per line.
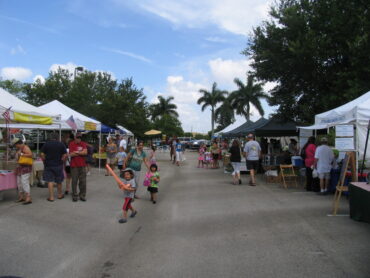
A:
90, 126
32, 119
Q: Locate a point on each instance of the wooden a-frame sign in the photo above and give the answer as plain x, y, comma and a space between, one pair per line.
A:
349, 162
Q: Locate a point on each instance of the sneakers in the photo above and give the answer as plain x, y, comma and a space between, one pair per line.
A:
154, 202
133, 214
122, 220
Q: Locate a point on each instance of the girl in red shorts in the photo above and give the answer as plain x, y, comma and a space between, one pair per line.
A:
127, 176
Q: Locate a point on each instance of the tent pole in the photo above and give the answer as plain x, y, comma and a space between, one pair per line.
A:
367, 139
38, 142
99, 158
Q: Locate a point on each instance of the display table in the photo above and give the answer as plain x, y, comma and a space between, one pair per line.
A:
359, 201
8, 180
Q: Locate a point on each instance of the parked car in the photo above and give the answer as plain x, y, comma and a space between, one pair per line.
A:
186, 141
195, 144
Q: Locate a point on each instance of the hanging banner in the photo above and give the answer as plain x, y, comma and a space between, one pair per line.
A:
32, 119
90, 126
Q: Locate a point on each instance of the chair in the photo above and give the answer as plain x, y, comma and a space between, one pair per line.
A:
287, 174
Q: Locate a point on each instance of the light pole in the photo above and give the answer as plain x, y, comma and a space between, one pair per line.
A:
79, 68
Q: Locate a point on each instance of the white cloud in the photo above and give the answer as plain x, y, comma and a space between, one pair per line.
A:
216, 39
224, 71
18, 50
235, 16
69, 66
17, 73
39, 77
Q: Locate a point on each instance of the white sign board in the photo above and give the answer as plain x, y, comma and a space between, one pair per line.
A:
305, 132
344, 144
344, 131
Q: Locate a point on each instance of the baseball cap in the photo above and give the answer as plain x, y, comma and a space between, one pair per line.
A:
250, 136
324, 139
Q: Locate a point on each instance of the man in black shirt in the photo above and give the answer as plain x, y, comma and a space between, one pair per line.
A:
53, 153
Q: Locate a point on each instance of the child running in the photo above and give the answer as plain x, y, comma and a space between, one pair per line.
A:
201, 157
154, 180
121, 156
128, 178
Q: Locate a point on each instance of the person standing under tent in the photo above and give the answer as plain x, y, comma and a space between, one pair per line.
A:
252, 153
122, 144
324, 158
23, 172
54, 153
308, 155
77, 152
111, 151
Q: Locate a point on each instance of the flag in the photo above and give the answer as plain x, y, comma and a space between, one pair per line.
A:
71, 122
6, 115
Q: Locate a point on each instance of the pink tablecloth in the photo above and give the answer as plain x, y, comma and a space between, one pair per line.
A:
8, 180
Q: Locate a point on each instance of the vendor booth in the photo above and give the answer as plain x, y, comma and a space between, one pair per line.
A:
16, 113
355, 113
239, 120
245, 128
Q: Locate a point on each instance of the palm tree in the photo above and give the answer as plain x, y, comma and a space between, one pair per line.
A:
224, 115
163, 107
211, 99
246, 95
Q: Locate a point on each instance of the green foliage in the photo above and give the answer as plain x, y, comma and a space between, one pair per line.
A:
169, 125
317, 52
248, 94
95, 95
163, 107
12, 86
224, 114
211, 99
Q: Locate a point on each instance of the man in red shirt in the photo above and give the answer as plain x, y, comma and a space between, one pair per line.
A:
77, 152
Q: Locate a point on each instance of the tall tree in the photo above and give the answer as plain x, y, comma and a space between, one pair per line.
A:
248, 94
316, 51
211, 99
163, 107
224, 114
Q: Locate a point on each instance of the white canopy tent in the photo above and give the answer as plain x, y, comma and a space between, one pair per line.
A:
356, 112
83, 122
25, 115
127, 132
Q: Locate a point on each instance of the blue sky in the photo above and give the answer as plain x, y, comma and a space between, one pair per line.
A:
168, 47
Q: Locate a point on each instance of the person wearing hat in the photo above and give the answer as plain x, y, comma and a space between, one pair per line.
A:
54, 153
23, 172
127, 177
324, 158
77, 152
252, 153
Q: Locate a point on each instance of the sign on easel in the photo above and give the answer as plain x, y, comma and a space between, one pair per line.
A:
349, 162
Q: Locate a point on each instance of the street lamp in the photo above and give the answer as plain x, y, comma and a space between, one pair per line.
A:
78, 69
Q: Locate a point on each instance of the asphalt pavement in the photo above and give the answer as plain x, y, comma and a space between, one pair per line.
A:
201, 226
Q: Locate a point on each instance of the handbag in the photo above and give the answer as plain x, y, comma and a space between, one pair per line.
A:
147, 181
25, 160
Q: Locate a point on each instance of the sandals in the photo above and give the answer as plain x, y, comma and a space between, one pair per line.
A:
20, 200
28, 202
50, 200
61, 196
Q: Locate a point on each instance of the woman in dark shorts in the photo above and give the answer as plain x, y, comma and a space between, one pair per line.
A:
67, 167
215, 150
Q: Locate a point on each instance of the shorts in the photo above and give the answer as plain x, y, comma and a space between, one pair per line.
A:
127, 204
53, 174
111, 161
252, 164
236, 166
120, 167
68, 170
179, 156
152, 189
215, 156
324, 176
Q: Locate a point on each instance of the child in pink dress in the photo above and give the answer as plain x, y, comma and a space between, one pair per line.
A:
202, 150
